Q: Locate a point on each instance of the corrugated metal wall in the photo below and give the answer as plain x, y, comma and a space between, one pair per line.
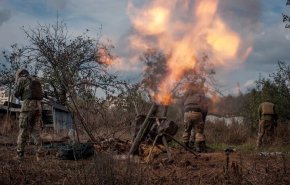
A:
62, 120
57, 118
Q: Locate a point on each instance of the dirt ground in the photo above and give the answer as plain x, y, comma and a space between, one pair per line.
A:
110, 166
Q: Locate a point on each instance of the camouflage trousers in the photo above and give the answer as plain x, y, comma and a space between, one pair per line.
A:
29, 126
265, 132
193, 127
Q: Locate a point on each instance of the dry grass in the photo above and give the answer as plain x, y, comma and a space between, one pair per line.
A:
101, 169
105, 169
245, 167
8, 125
234, 134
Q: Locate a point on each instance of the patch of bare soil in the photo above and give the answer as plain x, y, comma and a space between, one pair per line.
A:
110, 166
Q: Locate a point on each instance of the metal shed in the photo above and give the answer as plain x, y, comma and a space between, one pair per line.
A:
56, 115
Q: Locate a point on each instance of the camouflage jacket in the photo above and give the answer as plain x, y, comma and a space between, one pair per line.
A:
197, 103
23, 92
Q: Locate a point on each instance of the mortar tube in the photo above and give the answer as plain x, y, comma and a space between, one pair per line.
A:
165, 111
144, 127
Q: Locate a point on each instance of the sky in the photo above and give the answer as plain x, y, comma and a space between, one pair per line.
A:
257, 22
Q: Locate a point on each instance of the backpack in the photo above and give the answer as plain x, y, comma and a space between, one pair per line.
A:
35, 87
75, 151
267, 108
193, 103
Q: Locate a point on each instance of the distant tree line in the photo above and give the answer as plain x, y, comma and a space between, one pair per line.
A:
274, 88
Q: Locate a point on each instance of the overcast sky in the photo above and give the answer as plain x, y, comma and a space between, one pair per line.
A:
258, 22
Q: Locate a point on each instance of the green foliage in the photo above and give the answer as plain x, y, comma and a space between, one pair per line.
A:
217, 146
275, 88
250, 107
247, 147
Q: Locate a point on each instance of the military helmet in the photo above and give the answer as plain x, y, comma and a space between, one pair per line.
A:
192, 91
21, 72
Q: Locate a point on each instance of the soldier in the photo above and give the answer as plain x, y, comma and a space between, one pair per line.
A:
195, 110
204, 111
29, 90
267, 121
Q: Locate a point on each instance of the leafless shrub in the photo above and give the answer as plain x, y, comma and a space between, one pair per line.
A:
220, 132
282, 135
8, 126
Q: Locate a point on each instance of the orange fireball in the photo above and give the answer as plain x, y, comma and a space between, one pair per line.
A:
184, 30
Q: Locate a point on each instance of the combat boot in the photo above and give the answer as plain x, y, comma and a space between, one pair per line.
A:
186, 144
208, 148
204, 147
191, 145
200, 147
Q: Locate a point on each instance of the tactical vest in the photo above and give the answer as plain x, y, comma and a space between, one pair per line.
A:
35, 88
267, 108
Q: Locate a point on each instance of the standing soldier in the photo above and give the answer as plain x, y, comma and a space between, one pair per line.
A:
267, 121
195, 110
29, 90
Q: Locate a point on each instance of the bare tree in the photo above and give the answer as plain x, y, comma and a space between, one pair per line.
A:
286, 17
73, 69
155, 71
69, 65
10, 65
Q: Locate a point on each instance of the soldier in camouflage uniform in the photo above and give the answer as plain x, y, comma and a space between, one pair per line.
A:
195, 110
267, 122
204, 112
30, 115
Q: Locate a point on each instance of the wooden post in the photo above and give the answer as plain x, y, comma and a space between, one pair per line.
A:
136, 108
165, 110
144, 128
8, 107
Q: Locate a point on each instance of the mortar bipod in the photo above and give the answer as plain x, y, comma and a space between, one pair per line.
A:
163, 135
